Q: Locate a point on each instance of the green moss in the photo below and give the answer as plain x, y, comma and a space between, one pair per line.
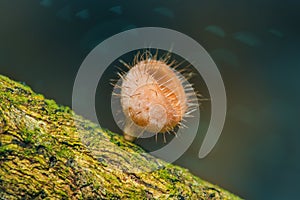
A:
61, 193
4, 149
27, 152
51, 105
64, 152
28, 136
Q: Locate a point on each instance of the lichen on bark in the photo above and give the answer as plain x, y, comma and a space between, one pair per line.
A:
49, 152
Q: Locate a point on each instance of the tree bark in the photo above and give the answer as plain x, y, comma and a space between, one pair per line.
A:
48, 152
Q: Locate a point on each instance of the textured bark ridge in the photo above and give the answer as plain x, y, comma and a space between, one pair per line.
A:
48, 152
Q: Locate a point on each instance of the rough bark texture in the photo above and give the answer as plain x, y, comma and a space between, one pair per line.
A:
46, 151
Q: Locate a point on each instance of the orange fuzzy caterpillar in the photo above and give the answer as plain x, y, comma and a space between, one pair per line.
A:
154, 96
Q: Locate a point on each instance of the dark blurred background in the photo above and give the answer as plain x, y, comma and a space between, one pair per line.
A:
254, 43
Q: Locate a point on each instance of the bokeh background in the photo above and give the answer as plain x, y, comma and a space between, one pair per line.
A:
254, 43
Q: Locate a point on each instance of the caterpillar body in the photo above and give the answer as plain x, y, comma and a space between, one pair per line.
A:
154, 96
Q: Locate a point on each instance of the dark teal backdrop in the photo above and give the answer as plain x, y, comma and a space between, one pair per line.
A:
254, 43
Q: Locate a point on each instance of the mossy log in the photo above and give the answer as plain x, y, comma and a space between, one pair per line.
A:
48, 152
